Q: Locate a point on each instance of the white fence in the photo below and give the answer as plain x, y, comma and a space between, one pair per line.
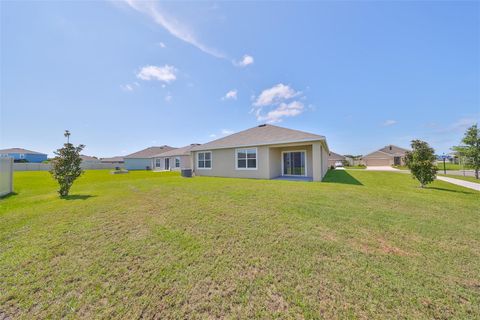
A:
6, 176
46, 166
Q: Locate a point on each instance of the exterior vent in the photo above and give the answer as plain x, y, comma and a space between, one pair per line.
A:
262, 125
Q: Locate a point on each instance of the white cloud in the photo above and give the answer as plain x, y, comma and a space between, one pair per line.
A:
227, 132
168, 98
162, 45
127, 87
165, 73
213, 135
388, 123
291, 109
246, 60
275, 103
275, 94
172, 25
232, 94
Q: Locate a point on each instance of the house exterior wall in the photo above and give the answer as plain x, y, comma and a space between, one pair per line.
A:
185, 163
223, 164
269, 162
138, 163
378, 158
33, 158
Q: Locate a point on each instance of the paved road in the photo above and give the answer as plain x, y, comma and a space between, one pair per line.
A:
463, 183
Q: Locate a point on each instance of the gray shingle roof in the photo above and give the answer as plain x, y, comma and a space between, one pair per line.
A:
183, 151
390, 150
112, 159
19, 150
335, 156
148, 152
260, 135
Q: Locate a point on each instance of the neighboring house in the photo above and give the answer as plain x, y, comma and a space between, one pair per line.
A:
23, 155
113, 160
334, 157
175, 159
89, 159
387, 156
143, 159
263, 152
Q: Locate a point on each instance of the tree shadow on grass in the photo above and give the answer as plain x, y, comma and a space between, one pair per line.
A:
340, 176
449, 190
77, 197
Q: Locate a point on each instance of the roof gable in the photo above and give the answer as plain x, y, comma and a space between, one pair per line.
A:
183, 151
260, 135
148, 152
19, 150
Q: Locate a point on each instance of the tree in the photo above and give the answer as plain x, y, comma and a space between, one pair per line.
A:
421, 162
66, 165
470, 149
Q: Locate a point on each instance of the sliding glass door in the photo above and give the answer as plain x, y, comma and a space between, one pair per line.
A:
293, 163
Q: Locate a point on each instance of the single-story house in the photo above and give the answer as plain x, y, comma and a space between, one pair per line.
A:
263, 152
113, 160
175, 159
387, 156
23, 155
89, 159
143, 159
334, 157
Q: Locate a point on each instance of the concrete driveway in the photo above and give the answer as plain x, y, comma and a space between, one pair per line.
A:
381, 168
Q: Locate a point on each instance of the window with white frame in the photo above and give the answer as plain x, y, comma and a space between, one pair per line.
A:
247, 158
157, 162
177, 162
204, 160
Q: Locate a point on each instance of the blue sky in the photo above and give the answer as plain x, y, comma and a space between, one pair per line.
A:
122, 76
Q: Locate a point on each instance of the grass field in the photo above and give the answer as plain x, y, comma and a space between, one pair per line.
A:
155, 245
449, 166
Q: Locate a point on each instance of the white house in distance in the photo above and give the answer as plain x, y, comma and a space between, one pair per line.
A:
387, 156
143, 159
263, 152
175, 159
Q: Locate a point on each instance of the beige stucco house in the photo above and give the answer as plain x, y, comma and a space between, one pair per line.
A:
387, 156
175, 159
334, 157
263, 152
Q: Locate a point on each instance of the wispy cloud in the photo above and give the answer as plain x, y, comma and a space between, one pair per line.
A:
127, 87
275, 103
245, 61
168, 97
162, 45
172, 25
230, 95
226, 132
165, 74
388, 123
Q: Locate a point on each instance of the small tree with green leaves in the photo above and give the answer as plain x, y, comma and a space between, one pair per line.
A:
421, 162
470, 150
66, 165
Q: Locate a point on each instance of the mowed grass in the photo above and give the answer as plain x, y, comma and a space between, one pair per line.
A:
155, 245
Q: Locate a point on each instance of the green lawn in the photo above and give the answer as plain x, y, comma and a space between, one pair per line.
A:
449, 166
471, 179
355, 167
155, 245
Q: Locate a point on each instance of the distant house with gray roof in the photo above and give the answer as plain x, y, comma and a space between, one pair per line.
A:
387, 156
23, 155
264, 152
143, 159
175, 159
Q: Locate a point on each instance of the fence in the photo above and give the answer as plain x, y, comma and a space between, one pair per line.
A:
46, 166
6, 176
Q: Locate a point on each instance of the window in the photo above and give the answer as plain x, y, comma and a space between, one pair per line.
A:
247, 158
177, 162
157, 163
22, 156
204, 160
